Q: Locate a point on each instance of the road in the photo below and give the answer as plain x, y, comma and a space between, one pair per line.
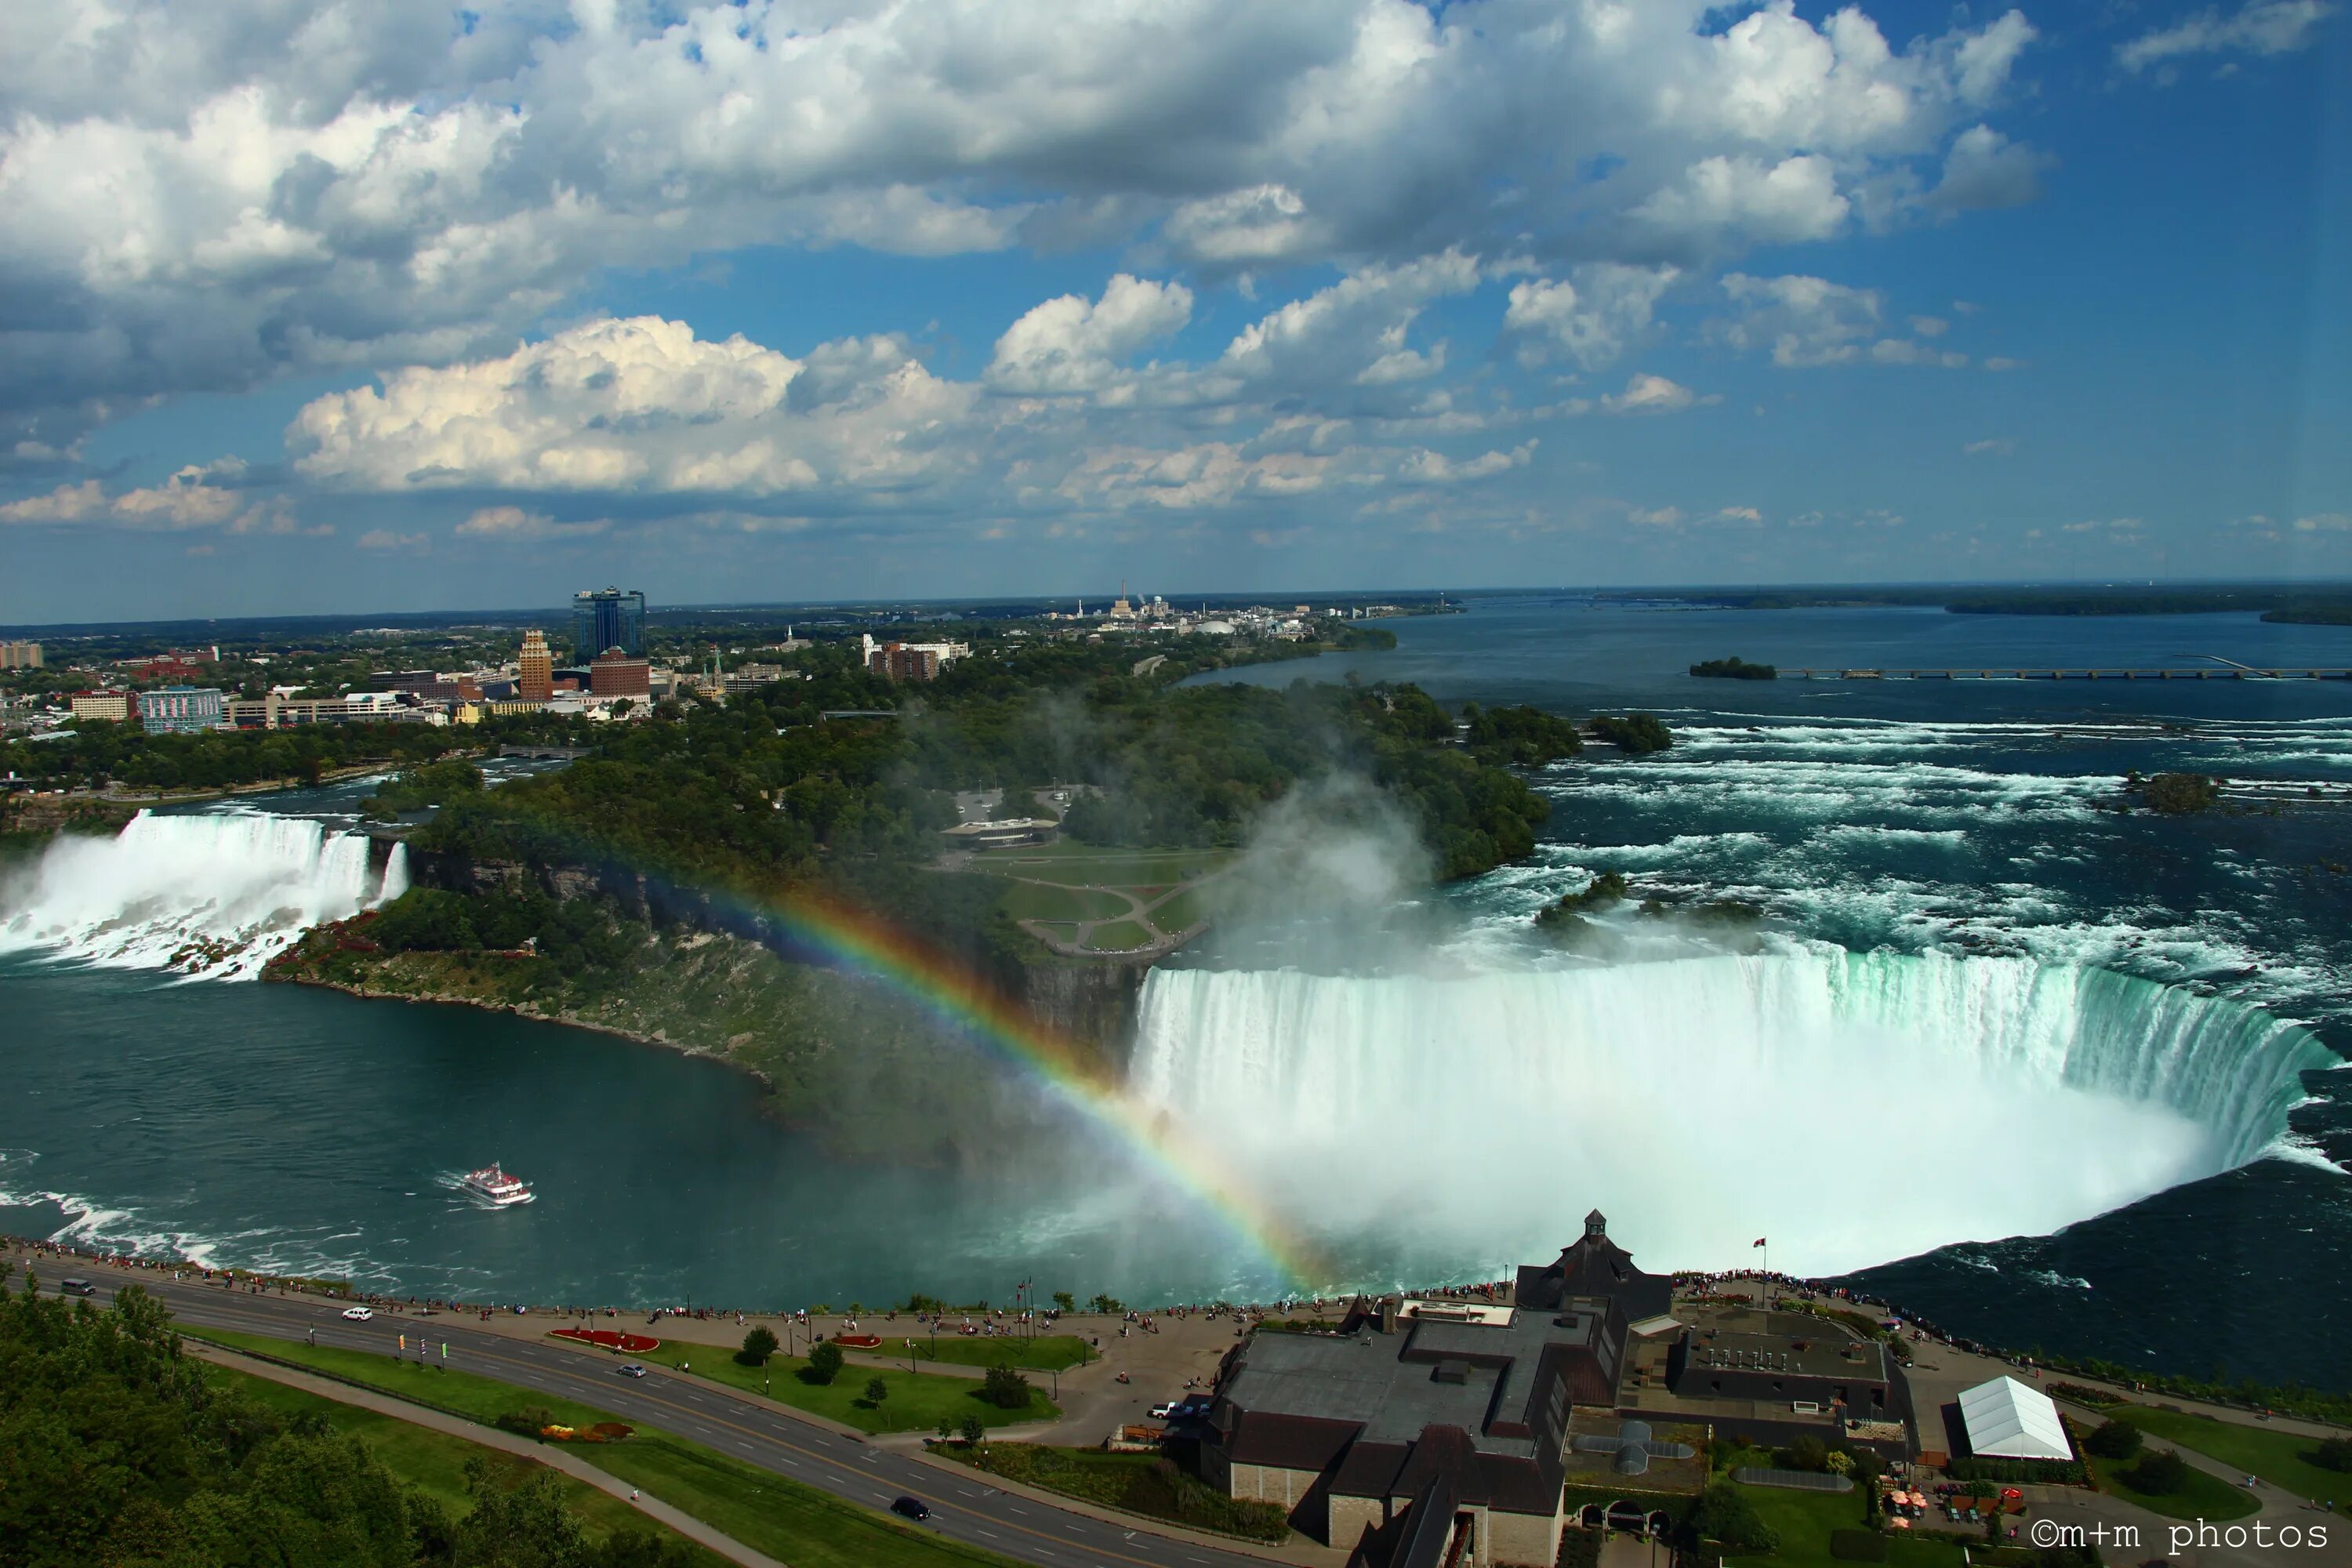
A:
963, 1506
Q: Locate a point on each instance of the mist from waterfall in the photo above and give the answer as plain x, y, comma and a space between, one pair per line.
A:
215, 895
1853, 1107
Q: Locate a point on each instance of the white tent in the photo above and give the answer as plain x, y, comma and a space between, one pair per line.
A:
2007, 1420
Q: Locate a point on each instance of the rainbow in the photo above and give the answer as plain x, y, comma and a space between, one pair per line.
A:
856, 940
963, 1000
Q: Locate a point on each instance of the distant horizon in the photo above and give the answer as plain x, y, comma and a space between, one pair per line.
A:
774, 303
656, 609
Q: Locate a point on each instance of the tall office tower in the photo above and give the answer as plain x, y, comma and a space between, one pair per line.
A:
606, 617
537, 681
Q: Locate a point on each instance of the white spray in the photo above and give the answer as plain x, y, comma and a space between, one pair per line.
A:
216, 896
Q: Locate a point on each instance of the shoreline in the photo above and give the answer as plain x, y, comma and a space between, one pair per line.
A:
530, 1014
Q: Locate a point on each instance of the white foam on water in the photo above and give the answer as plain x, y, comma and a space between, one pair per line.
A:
1712, 1099
213, 896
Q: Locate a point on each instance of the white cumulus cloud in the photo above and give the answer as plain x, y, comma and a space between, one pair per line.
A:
203, 196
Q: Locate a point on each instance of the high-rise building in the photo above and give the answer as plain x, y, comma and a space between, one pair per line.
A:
20, 656
536, 683
607, 618
179, 710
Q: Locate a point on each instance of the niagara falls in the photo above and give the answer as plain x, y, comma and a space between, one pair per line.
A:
1901, 989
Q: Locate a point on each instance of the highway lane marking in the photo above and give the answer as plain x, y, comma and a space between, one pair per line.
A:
553, 1365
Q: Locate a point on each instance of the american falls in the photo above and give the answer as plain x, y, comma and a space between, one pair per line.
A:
210, 894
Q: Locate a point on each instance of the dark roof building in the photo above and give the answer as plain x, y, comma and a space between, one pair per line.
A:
1435, 1425
1596, 1266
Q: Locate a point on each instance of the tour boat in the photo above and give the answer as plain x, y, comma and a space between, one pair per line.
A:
497, 1188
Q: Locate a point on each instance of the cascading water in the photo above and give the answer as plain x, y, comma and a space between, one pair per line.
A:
1851, 1107
213, 895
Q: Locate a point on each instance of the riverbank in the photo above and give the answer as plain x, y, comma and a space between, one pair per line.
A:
865, 1069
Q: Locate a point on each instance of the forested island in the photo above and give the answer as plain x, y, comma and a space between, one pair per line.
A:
630, 891
1734, 668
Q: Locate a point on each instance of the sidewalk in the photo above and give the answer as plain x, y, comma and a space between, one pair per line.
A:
552, 1456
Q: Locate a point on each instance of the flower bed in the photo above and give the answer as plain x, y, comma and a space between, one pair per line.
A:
858, 1341
610, 1340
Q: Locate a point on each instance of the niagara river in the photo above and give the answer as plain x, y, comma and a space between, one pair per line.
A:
2046, 1072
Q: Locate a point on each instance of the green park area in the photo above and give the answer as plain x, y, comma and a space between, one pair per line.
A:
911, 1402
1806, 1521
1077, 864
1143, 1484
1054, 902
1104, 900
2185, 1492
789, 1521
2287, 1460
1044, 1353
435, 1463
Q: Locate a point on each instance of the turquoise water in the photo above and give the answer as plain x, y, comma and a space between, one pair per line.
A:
311, 1132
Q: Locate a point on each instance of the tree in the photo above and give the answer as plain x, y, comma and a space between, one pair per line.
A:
1064, 1302
877, 1391
2160, 1472
974, 1429
528, 1527
2114, 1440
758, 1346
2332, 1454
1633, 733
1108, 1306
1005, 1388
1723, 1513
825, 1362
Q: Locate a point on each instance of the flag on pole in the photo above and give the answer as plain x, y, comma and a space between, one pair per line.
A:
1759, 1241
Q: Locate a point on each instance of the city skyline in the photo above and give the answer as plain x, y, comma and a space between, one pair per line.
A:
378, 311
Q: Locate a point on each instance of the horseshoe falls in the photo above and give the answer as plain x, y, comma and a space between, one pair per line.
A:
1851, 1107
213, 895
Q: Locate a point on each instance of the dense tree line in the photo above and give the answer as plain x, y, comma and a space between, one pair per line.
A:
117, 1450
765, 793
1637, 734
99, 753
1522, 736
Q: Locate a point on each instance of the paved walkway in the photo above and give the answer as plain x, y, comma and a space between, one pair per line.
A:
552, 1456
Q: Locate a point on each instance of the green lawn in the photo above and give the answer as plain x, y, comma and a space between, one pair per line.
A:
435, 1462
1036, 901
1042, 1354
1804, 1520
471, 1395
1039, 901
1139, 1483
1119, 936
916, 1401
789, 1521
2205, 1497
1081, 864
1182, 913
2275, 1456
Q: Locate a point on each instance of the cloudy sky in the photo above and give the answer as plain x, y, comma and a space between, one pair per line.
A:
345, 305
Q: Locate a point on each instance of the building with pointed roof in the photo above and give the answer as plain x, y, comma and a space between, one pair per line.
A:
1438, 1424
1595, 1265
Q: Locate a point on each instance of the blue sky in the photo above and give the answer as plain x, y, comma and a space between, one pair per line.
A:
350, 307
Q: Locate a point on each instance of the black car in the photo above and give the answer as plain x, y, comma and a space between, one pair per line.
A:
78, 1288
912, 1507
